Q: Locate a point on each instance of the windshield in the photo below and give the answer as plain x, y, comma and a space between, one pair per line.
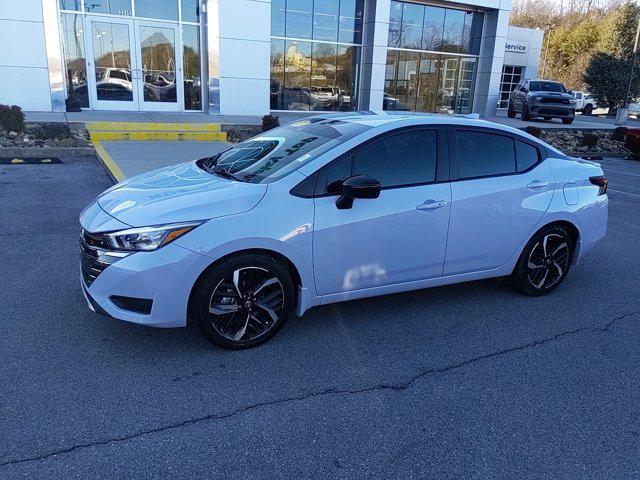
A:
280, 151
547, 87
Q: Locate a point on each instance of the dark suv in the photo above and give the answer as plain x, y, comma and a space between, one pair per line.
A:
542, 98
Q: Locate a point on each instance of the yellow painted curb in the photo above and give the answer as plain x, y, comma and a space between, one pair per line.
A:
158, 136
152, 127
108, 162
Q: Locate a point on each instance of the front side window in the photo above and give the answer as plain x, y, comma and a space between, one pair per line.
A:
406, 158
483, 154
280, 151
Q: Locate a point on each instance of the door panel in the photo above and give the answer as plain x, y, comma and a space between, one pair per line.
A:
160, 87
382, 241
111, 83
491, 217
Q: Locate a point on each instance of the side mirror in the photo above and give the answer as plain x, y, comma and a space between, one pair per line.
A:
358, 186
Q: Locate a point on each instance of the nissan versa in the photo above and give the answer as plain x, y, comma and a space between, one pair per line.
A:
336, 208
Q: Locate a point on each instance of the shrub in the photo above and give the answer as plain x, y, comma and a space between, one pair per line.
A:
269, 122
632, 141
11, 118
590, 139
533, 130
51, 131
619, 134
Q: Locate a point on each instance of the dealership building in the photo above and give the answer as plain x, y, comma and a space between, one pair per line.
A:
250, 57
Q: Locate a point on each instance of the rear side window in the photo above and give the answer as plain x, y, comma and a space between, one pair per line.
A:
406, 158
526, 156
481, 154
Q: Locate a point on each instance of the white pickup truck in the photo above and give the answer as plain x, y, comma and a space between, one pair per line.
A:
585, 102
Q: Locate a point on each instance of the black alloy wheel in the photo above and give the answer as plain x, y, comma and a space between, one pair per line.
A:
511, 113
545, 262
526, 115
243, 302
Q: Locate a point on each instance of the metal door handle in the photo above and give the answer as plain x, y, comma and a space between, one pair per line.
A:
537, 184
431, 205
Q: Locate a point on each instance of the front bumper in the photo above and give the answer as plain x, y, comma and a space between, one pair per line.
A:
552, 110
165, 277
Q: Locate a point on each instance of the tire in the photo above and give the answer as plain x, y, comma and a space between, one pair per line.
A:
242, 302
544, 262
526, 116
548, 118
568, 121
511, 113
587, 110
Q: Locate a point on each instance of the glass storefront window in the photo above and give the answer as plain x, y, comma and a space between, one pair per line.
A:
325, 20
299, 18
191, 67
453, 27
164, 9
351, 21
297, 75
277, 17
158, 64
395, 24
75, 66
114, 7
190, 10
321, 73
75, 5
427, 80
412, 17
433, 28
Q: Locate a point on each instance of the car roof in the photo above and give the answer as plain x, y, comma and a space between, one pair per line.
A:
376, 119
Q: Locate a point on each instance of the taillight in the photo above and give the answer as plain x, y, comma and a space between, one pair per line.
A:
601, 182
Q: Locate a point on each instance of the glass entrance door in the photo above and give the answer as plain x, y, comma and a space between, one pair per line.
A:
159, 67
134, 65
111, 79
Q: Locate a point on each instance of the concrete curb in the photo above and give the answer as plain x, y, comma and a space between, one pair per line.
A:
39, 152
107, 162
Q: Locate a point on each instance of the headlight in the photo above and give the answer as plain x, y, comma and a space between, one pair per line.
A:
537, 99
146, 239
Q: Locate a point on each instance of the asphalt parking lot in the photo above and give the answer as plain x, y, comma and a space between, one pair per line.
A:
467, 381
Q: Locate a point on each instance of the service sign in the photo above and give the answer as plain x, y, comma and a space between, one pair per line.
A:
515, 47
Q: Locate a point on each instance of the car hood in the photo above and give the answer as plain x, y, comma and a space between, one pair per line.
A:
179, 193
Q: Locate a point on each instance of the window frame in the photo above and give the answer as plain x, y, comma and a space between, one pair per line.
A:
454, 157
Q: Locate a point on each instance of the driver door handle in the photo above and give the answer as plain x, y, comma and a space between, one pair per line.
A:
431, 205
537, 184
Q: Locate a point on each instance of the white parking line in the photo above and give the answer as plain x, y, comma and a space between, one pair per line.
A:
626, 193
623, 173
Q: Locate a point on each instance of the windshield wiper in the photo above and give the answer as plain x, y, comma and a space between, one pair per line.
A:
223, 172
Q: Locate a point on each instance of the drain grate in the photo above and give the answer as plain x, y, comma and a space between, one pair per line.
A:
29, 161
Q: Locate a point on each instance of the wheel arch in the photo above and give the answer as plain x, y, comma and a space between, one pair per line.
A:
293, 270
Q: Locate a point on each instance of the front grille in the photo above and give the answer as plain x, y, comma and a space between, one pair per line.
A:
93, 260
549, 111
559, 101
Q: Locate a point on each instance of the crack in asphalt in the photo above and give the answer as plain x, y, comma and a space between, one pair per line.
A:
330, 391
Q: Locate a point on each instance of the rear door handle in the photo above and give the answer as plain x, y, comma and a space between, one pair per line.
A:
537, 184
431, 205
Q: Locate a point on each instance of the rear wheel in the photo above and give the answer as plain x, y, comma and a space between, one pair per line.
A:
544, 262
243, 302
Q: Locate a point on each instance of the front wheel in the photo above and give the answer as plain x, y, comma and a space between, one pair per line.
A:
526, 115
242, 302
568, 121
511, 113
587, 110
544, 262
